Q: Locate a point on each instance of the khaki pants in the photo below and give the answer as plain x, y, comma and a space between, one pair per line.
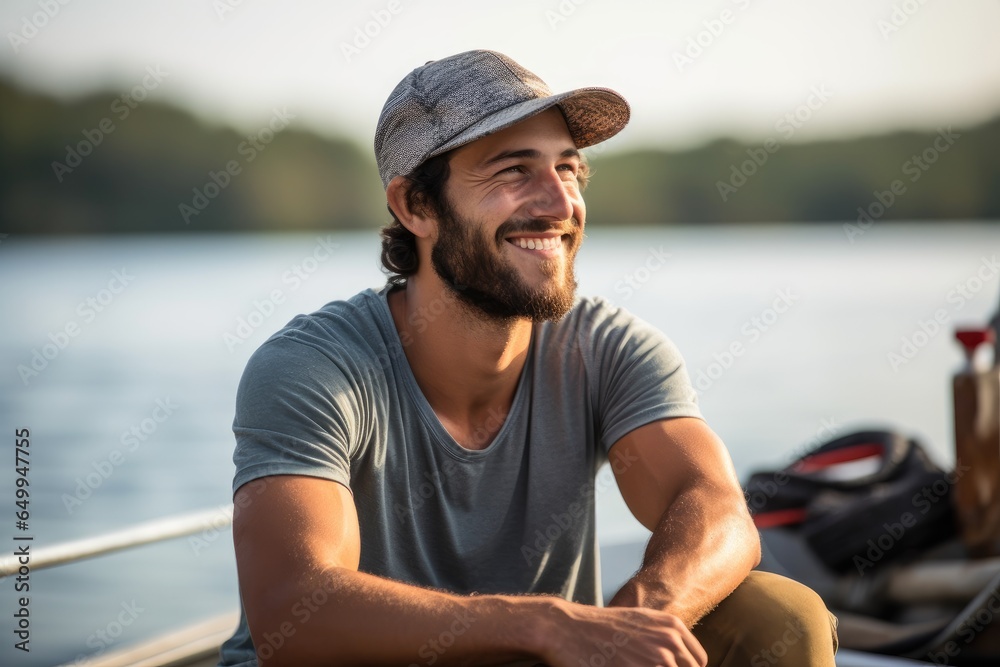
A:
769, 621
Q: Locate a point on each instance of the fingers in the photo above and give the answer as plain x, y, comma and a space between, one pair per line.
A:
694, 647
674, 643
626, 637
685, 650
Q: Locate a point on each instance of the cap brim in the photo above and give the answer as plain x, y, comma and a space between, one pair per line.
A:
592, 115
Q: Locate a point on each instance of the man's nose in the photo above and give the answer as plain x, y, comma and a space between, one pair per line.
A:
553, 198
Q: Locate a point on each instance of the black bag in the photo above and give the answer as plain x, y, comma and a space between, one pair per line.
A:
900, 502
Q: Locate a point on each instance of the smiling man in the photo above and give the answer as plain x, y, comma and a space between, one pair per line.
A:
415, 466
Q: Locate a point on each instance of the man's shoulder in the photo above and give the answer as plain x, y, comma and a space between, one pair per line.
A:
601, 330
596, 316
595, 307
337, 319
349, 329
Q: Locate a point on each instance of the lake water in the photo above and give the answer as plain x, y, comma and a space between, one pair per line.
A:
792, 334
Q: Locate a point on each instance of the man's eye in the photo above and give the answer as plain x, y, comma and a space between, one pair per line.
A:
569, 171
517, 169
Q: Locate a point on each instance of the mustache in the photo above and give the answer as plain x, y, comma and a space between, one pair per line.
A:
535, 225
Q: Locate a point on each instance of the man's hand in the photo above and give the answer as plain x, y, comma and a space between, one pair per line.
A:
622, 637
295, 535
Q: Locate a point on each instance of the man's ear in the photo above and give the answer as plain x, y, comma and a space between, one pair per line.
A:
414, 219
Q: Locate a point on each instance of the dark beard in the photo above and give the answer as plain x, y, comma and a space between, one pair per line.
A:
473, 267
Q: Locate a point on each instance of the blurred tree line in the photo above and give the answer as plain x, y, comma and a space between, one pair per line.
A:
112, 164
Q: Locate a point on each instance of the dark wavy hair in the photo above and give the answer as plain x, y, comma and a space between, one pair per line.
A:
425, 192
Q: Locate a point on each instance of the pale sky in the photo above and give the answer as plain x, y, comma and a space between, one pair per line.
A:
864, 66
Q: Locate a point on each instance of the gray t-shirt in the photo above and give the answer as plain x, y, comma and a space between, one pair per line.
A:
332, 396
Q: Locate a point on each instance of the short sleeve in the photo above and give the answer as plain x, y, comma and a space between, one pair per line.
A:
641, 376
296, 414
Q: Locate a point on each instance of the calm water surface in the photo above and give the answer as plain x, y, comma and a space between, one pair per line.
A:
791, 334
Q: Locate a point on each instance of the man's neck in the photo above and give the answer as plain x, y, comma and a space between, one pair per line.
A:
466, 364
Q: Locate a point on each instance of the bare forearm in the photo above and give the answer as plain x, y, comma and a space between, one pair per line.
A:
699, 553
344, 617
366, 620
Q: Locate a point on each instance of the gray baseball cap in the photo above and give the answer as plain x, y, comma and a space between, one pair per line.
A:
453, 101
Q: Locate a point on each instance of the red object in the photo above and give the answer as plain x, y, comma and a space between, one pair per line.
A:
973, 338
779, 518
826, 459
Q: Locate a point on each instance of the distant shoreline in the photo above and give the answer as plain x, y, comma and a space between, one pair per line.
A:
97, 166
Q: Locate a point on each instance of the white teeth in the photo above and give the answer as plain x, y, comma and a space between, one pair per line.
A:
538, 244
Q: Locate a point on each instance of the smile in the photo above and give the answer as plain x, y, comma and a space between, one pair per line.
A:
529, 243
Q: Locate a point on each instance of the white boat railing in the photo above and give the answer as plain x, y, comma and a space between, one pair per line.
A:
149, 532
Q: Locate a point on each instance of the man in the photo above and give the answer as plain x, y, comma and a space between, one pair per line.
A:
415, 466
